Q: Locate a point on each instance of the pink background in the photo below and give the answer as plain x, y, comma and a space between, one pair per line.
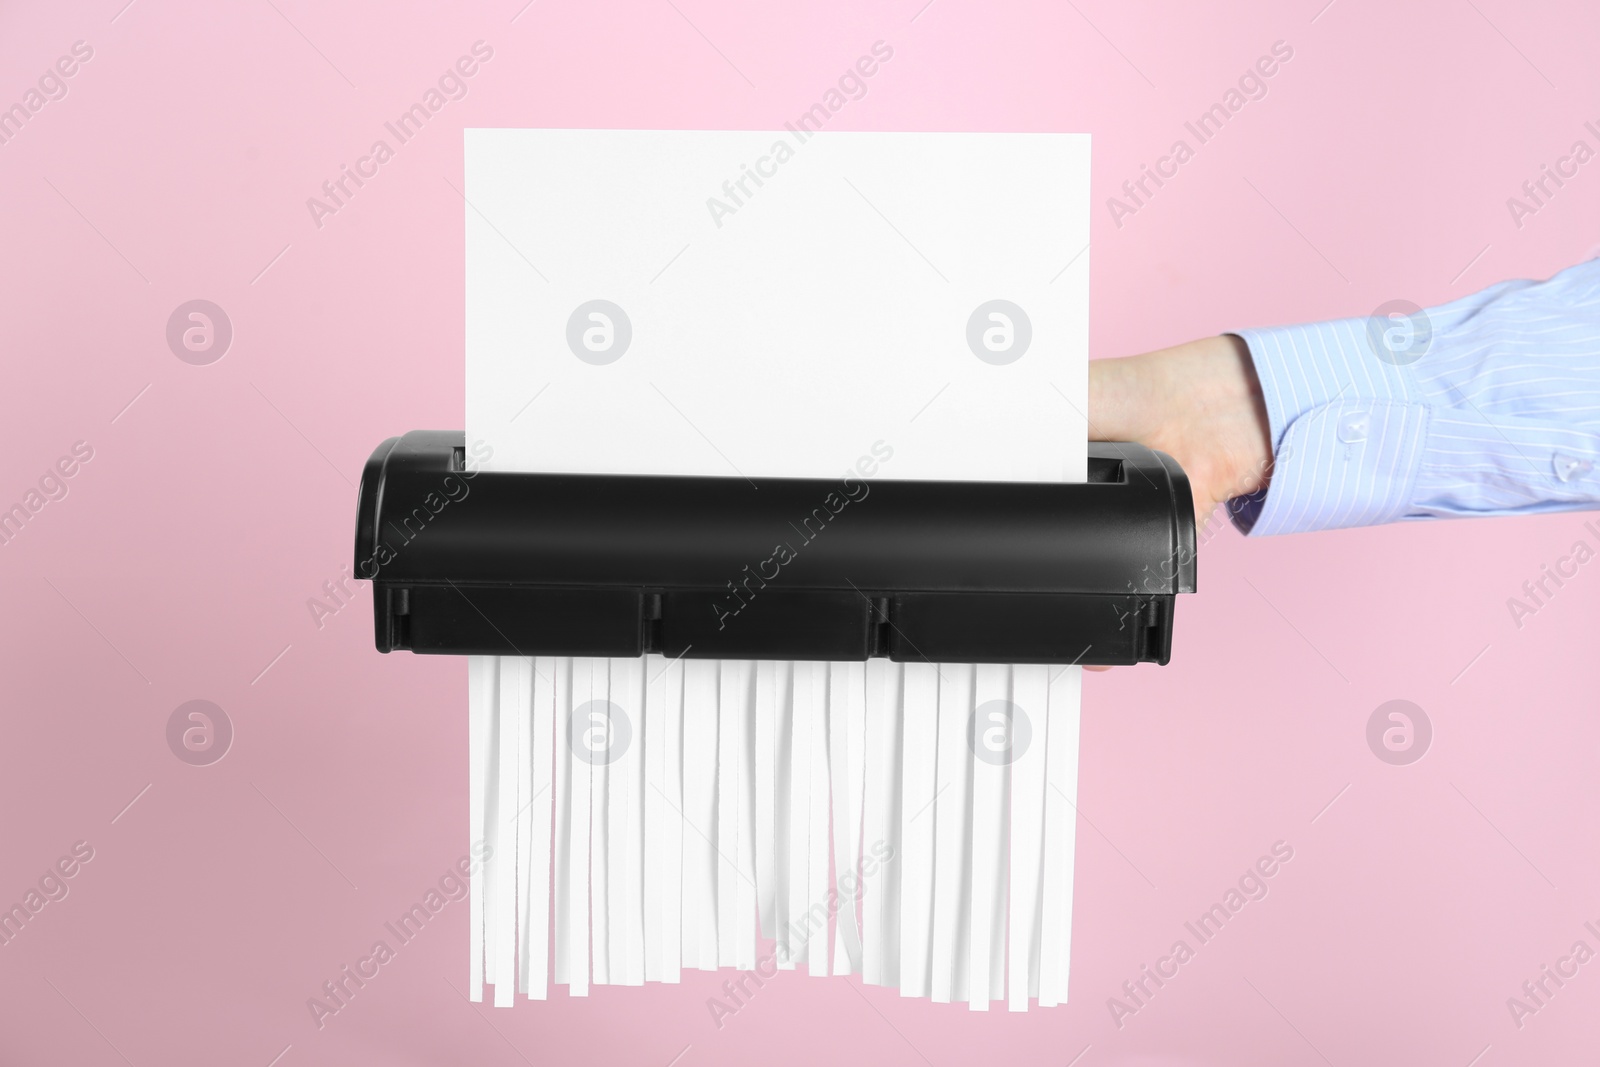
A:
180, 563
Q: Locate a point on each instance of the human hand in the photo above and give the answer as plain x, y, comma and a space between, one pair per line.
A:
1200, 403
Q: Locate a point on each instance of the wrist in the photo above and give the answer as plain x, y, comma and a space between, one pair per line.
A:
1241, 408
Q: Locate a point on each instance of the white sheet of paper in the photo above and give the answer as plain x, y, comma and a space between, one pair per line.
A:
829, 311
776, 304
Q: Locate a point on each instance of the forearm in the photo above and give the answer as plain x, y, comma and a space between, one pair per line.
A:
1486, 406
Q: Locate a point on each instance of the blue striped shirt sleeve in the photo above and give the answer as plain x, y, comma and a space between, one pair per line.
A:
1489, 405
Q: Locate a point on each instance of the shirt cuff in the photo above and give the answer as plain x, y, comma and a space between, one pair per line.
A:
1347, 428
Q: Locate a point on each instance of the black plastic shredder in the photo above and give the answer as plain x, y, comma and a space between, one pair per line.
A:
466, 561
